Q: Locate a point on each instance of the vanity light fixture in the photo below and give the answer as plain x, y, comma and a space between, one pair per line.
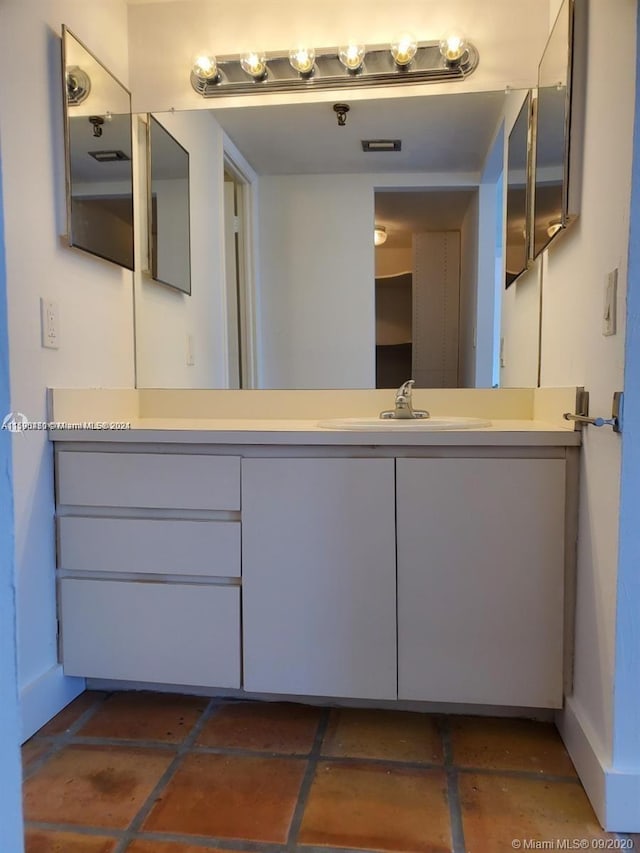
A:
302, 60
453, 47
352, 56
331, 68
403, 49
379, 235
254, 64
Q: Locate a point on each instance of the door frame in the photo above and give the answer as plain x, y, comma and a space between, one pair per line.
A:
249, 344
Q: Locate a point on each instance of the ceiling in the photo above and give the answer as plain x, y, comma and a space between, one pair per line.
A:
439, 133
407, 212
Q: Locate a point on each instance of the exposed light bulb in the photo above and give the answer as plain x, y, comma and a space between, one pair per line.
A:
254, 64
453, 47
205, 66
352, 56
302, 59
379, 235
403, 49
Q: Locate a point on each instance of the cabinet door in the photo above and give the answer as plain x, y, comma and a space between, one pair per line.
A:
481, 580
319, 579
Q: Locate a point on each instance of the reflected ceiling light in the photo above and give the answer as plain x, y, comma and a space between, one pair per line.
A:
403, 49
453, 47
554, 226
205, 67
352, 56
254, 64
302, 59
379, 235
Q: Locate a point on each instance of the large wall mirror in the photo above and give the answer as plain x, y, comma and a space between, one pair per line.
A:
168, 208
317, 196
97, 112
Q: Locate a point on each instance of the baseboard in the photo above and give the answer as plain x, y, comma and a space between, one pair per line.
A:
614, 794
43, 698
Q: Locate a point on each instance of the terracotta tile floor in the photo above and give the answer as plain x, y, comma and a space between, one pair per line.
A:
152, 773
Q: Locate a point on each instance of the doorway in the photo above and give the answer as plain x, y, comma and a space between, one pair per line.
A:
426, 286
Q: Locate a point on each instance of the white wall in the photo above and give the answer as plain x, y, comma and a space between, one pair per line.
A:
574, 352
165, 36
94, 300
468, 295
317, 322
165, 316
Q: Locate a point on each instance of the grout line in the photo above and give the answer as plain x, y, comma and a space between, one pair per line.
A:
453, 794
63, 739
233, 845
45, 826
307, 781
151, 800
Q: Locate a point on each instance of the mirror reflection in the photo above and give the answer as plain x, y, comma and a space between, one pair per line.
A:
168, 208
517, 254
297, 286
99, 150
552, 136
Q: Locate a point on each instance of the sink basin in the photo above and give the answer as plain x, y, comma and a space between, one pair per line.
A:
377, 424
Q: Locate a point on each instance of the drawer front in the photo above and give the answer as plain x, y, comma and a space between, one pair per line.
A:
167, 633
150, 546
153, 480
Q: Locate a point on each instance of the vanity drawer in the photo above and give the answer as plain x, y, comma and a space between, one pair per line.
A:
153, 632
151, 480
149, 546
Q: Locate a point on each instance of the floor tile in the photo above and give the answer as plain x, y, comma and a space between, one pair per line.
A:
282, 727
69, 715
32, 750
390, 735
230, 797
37, 841
93, 785
498, 809
142, 846
507, 744
165, 717
377, 807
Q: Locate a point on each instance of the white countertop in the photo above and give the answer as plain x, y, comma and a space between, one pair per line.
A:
524, 433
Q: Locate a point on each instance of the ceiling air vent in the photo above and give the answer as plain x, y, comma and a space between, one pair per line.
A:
381, 144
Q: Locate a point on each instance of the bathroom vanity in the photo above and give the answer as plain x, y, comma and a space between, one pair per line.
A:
281, 557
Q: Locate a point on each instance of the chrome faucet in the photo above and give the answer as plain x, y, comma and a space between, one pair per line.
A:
404, 406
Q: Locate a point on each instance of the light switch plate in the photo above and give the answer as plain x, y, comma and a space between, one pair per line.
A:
609, 314
50, 332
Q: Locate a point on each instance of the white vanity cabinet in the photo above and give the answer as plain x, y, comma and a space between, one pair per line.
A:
319, 577
149, 566
432, 573
481, 580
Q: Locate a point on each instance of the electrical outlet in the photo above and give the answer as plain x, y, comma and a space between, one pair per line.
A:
50, 331
609, 313
191, 356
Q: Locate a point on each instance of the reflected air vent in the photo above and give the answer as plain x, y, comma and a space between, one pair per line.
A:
108, 156
381, 144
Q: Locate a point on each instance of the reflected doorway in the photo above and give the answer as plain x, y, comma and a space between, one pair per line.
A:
426, 287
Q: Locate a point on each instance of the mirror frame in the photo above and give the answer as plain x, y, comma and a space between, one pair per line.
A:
150, 237
67, 151
525, 114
